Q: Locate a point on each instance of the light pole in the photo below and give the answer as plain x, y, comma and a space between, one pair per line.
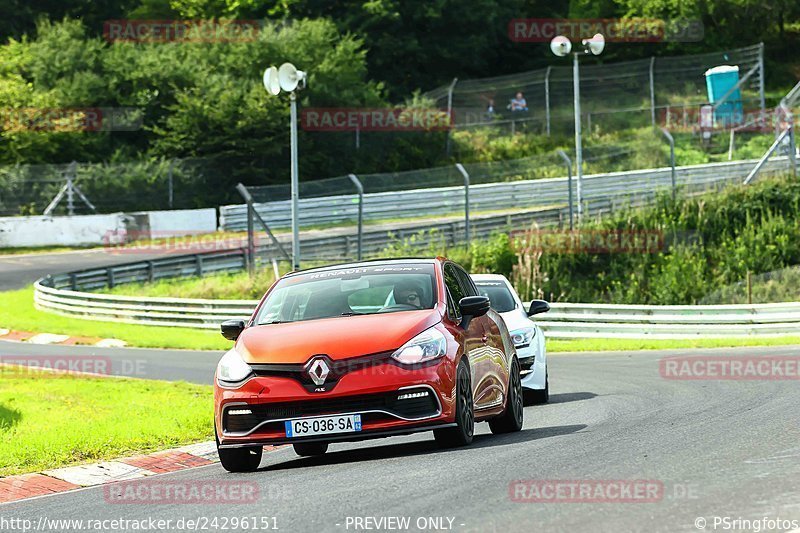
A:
288, 78
561, 46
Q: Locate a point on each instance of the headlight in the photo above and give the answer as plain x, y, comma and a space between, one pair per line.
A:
232, 369
428, 345
522, 337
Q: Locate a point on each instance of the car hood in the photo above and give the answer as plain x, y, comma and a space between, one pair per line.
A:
516, 319
338, 338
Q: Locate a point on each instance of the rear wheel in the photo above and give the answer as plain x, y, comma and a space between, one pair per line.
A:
462, 434
512, 417
310, 449
240, 459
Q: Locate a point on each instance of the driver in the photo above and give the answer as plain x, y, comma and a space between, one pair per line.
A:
407, 292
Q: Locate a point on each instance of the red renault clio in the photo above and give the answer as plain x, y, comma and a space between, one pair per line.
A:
361, 351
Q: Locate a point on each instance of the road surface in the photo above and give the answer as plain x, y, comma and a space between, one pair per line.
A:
716, 448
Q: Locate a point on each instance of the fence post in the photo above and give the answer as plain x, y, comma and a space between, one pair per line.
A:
761, 75
70, 190
793, 150
450, 110
360, 189
671, 141
547, 98
464, 173
652, 91
568, 163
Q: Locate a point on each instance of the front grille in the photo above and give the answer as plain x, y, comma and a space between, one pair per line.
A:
422, 407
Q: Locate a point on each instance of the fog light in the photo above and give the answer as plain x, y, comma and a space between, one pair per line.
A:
410, 395
240, 412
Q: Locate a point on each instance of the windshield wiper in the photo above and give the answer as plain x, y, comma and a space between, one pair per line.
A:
352, 313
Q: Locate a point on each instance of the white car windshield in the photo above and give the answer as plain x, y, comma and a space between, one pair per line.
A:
362, 290
499, 295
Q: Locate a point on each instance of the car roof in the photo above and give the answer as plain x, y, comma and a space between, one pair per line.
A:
371, 262
488, 277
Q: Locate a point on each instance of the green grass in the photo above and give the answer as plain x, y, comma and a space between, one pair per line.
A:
17, 312
606, 345
50, 420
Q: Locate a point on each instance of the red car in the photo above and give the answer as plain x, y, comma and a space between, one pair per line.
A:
365, 350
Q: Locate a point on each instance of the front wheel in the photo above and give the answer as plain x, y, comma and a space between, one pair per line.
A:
240, 459
462, 434
512, 417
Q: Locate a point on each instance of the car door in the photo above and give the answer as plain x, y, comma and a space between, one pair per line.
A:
473, 335
488, 359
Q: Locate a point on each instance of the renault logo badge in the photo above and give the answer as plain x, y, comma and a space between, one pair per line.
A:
318, 371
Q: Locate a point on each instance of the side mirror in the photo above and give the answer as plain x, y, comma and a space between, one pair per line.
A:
473, 307
231, 329
538, 306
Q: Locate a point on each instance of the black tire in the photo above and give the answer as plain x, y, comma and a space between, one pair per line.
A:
240, 459
462, 434
310, 449
512, 418
536, 397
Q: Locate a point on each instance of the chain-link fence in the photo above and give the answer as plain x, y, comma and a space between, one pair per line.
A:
613, 96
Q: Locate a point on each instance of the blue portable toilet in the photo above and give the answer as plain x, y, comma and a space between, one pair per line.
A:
720, 80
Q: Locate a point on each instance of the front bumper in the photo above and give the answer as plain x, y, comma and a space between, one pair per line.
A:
533, 371
387, 396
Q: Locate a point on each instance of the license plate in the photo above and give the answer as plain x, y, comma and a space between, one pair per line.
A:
323, 425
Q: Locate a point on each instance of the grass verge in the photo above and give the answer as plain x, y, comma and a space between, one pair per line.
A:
17, 312
49, 420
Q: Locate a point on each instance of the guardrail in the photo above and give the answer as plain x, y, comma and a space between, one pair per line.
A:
565, 320
608, 187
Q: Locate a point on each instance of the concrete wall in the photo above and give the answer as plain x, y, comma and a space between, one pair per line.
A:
17, 232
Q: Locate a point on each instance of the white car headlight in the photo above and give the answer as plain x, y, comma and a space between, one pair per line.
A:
428, 345
523, 337
232, 368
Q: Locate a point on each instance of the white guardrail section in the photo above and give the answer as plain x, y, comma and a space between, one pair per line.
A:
494, 196
565, 320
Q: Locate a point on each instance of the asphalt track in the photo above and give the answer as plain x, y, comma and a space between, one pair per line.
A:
17, 271
718, 448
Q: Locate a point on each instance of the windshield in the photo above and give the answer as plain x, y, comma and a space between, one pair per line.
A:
499, 295
350, 291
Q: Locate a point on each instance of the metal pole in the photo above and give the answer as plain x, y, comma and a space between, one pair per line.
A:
70, 192
251, 240
295, 186
576, 89
761, 75
652, 91
793, 150
547, 98
671, 158
171, 164
464, 173
450, 110
358, 137
568, 162
360, 189
731, 144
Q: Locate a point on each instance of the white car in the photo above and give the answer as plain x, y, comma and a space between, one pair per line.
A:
527, 336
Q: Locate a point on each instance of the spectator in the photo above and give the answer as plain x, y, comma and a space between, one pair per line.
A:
518, 103
490, 109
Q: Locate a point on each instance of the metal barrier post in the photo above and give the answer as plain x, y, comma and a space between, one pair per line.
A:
652, 90
360, 189
671, 158
251, 240
450, 111
568, 163
464, 173
547, 98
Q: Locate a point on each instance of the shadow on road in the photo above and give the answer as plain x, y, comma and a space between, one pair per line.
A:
410, 449
571, 397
